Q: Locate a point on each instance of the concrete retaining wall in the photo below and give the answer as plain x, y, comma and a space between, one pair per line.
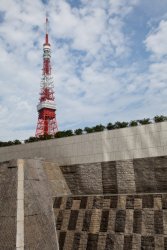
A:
120, 144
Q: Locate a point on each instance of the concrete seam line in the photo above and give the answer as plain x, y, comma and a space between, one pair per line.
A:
20, 206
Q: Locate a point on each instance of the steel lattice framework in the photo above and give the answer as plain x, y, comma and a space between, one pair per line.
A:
47, 124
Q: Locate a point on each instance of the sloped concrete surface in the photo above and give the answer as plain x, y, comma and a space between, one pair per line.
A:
26, 212
8, 204
40, 232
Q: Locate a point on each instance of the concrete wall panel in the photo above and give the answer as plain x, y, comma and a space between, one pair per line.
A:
120, 144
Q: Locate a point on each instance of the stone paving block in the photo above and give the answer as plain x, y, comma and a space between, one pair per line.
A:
164, 201
73, 220
106, 202
136, 242
62, 237
119, 242
87, 220
83, 241
130, 202
159, 242
121, 202
111, 221
90, 202
83, 203
66, 217
120, 221
110, 242
80, 220
165, 222
158, 222
147, 242
125, 177
137, 221
127, 242
137, 203
68, 244
148, 201
57, 202
95, 221
76, 204
101, 241
92, 241
129, 221
144, 175
114, 201
59, 219
165, 243
109, 178
76, 241
104, 221
98, 202
147, 222
89, 182
69, 202
158, 203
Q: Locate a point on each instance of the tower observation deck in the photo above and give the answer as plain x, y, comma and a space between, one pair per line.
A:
47, 124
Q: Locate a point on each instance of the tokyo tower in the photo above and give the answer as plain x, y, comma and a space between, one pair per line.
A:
47, 124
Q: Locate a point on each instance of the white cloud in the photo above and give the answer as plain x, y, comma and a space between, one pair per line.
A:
156, 42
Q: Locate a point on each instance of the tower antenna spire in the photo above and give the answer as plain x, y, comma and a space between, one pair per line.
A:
46, 26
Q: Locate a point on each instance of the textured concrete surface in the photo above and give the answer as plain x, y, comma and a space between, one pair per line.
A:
39, 227
8, 204
26, 209
119, 144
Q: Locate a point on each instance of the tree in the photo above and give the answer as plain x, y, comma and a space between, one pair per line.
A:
45, 137
69, 133
110, 126
16, 142
78, 131
144, 121
88, 130
31, 139
133, 123
98, 128
59, 134
160, 118
121, 124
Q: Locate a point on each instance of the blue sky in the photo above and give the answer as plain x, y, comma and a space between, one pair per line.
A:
109, 61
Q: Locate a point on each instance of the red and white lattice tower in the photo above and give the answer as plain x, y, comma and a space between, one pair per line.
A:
47, 124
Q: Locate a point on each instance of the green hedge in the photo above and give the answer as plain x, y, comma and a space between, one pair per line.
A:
87, 130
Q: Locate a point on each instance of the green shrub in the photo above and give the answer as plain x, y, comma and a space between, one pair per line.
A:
121, 125
88, 130
144, 121
78, 131
133, 123
98, 128
160, 118
110, 126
